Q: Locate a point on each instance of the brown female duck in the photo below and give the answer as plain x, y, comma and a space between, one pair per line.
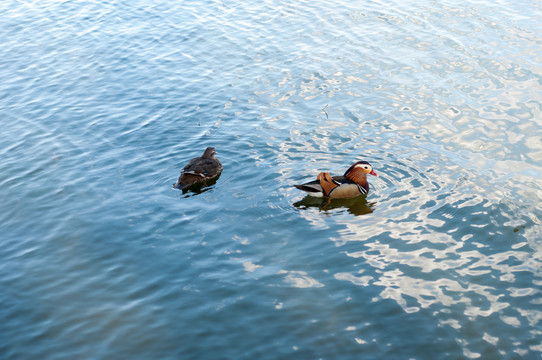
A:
200, 170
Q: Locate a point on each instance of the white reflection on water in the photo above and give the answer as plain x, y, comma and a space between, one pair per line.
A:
432, 261
356, 280
299, 279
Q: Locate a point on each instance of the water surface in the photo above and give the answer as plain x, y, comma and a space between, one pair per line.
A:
103, 103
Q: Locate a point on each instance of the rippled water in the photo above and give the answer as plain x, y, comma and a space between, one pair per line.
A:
102, 103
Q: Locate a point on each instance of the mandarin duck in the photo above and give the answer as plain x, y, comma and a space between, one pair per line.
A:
351, 184
199, 170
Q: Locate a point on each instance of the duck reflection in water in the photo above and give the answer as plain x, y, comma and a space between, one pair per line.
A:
199, 188
356, 206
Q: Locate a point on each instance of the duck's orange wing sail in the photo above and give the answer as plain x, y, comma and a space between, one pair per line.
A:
327, 183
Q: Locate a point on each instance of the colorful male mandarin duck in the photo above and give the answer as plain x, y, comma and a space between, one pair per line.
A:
199, 170
351, 184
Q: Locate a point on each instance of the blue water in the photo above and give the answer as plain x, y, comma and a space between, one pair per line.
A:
103, 102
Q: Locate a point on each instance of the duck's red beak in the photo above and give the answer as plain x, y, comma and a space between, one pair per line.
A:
373, 173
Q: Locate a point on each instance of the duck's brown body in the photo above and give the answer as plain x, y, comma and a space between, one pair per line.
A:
200, 170
352, 183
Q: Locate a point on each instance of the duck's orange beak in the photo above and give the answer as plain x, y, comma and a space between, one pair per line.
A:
373, 173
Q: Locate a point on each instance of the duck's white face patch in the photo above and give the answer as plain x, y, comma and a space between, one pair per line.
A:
366, 168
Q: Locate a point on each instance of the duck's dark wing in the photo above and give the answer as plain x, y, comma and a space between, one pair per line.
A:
315, 187
198, 170
205, 168
311, 187
342, 179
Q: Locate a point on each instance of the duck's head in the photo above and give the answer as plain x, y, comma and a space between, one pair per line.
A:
361, 166
209, 153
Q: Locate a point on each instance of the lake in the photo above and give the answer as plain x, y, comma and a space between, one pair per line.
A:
102, 103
